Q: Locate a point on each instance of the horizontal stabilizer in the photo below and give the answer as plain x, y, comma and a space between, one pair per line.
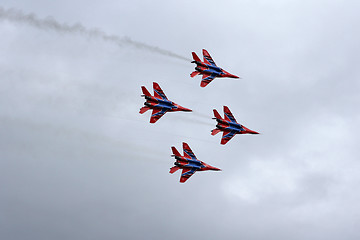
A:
194, 73
174, 169
143, 109
215, 131
145, 91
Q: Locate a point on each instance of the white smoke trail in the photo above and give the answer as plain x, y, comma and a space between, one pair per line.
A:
202, 115
18, 16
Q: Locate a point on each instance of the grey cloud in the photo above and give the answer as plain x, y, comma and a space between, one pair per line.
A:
78, 161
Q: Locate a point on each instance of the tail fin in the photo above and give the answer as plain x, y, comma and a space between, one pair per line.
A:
195, 57
217, 115
175, 151
145, 91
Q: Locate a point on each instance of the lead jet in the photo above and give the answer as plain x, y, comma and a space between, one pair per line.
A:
159, 103
208, 69
229, 126
188, 163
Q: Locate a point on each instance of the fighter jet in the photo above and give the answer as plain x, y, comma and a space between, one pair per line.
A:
188, 163
208, 69
159, 103
228, 126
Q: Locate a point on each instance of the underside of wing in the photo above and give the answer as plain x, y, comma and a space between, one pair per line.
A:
227, 135
228, 115
206, 79
207, 58
186, 174
158, 92
157, 113
188, 153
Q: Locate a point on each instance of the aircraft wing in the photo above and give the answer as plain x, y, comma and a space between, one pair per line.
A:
207, 58
227, 135
188, 153
186, 174
157, 113
228, 115
206, 79
158, 92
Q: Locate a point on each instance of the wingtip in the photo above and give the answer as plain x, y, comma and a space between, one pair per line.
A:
203, 84
222, 142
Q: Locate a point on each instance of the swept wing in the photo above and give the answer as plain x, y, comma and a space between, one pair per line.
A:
206, 79
227, 135
186, 174
228, 115
158, 92
157, 113
207, 58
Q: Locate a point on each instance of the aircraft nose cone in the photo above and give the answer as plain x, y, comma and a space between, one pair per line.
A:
185, 109
232, 76
229, 75
249, 131
215, 169
180, 108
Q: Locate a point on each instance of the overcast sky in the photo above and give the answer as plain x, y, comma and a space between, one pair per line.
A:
77, 160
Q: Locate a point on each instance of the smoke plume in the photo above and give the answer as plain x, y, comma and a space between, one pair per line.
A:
18, 16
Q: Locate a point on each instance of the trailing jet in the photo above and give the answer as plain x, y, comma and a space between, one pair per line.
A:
159, 103
188, 163
208, 69
228, 126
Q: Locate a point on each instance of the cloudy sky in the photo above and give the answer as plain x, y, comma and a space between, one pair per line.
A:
77, 160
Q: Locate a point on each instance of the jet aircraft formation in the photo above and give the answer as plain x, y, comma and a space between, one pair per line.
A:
160, 105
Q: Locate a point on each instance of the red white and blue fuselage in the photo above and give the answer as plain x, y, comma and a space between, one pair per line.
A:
229, 126
188, 163
208, 69
159, 103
